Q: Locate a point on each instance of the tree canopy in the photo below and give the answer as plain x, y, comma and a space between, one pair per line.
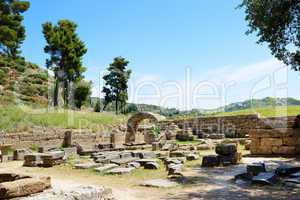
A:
12, 31
277, 23
66, 51
116, 83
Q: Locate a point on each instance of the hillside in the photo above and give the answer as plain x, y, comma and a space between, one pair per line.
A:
22, 81
264, 112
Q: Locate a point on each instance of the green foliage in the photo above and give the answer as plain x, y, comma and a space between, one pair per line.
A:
97, 107
82, 92
12, 32
66, 51
276, 22
34, 147
116, 83
156, 131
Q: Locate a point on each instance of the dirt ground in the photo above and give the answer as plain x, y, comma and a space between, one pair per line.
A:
199, 183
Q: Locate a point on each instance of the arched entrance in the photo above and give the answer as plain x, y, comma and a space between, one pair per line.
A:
136, 119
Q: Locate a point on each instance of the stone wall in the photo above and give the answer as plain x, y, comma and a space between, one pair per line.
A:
53, 137
276, 136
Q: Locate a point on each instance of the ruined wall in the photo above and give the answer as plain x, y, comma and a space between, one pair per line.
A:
270, 136
276, 136
53, 137
231, 126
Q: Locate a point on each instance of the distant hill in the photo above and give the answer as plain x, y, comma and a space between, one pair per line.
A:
261, 103
239, 106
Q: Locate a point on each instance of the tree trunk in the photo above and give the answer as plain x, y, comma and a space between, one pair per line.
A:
55, 95
117, 104
66, 93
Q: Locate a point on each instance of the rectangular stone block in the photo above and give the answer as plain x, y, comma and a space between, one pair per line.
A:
284, 150
291, 141
269, 142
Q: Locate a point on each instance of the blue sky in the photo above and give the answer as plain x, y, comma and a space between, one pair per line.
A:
165, 40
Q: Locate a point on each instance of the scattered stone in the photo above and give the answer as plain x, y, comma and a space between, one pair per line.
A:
159, 183
285, 170
70, 152
177, 154
151, 165
105, 168
87, 165
255, 168
210, 161
191, 157
265, 178
19, 154
175, 169
144, 161
226, 149
136, 165
24, 187
32, 160
122, 161
75, 193
204, 147
120, 170
232, 159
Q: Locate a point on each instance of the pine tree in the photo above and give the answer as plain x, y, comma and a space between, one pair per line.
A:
12, 32
66, 51
116, 83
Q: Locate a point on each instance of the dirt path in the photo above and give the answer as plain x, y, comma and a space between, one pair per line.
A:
200, 183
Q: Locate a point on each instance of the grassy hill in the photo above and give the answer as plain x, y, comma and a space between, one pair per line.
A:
22, 81
265, 111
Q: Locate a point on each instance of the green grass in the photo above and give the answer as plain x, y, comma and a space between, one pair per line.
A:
266, 112
20, 118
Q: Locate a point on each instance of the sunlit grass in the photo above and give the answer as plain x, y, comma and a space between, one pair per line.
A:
19, 118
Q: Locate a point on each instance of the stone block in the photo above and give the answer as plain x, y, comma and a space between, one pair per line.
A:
120, 171
151, 165
105, 167
284, 150
24, 187
269, 142
291, 141
226, 149
210, 161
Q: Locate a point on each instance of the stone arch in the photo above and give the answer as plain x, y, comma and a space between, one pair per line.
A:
134, 121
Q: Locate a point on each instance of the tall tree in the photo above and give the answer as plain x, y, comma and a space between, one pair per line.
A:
277, 23
116, 83
66, 51
12, 32
82, 92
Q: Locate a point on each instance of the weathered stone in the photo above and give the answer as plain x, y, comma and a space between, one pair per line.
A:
203, 147
151, 165
32, 160
177, 154
271, 142
136, 165
210, 161
284, 150
232, 159
70, 152
255, 168
226, 149
120, 170
87, 165
122, 161
266, 178
19, 154
24, 187
159, 183
285, 170
75, 193
175, 169
105, 167
67, 142
191, 157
